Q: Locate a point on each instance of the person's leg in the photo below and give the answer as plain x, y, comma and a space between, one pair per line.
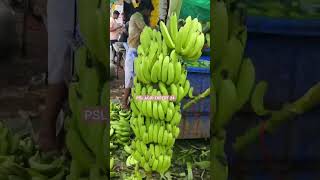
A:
60, 24
113, 51
129, 75
56, 94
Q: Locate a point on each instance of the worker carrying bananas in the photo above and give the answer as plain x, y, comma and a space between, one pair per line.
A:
136, 24
60, 27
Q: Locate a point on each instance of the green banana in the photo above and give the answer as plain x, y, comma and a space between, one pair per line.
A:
164, 70
171, 74
161, 112
155, 110
177, 70
155, 132
165, 138
150, 132
160, 134
245, 82
155, 71
220, 24
226, 98
257, 101
174, 91
166, 35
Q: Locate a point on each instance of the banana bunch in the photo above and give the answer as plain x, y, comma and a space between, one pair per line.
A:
233, 91
163, 109
120, 128
233, 76
159, 87
187, 41
152, 131
92, 17
9, 142
152, 157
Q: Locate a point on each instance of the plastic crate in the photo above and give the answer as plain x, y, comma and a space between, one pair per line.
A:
195, 125
200, 81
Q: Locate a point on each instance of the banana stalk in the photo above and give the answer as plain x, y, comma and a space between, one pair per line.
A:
197, 99
310, 100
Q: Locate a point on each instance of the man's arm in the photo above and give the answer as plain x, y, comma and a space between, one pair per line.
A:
114, 26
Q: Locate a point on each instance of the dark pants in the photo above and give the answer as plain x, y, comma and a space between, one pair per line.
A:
113, 51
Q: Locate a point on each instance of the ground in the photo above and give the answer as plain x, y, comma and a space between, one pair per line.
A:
22, 87
117, 86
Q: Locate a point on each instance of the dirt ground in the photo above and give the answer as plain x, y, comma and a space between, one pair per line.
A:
117, 87
22, 79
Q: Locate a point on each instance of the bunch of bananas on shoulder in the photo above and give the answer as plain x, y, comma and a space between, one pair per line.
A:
159, 86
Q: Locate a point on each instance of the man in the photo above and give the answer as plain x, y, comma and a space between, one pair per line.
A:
114, 27
136, 24
60, 22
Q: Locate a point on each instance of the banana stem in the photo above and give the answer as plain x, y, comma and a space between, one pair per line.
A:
197, 99
307, 102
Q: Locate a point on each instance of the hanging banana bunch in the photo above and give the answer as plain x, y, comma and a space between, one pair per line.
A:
233, 77
160, 72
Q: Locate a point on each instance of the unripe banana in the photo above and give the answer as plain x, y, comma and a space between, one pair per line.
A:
179, 40
157, 151
174, 27
181, 93
166, 163
191, 92
183, 78
155, 165
155, 132
185, 32
165, 138
150, 132
145, 138
220, 24
166, 35
155, 71
198, 46
161, 112
191, 42
149, 109
176, 132
171, 74
226, 98
160, 135
257, 99
170, 140
176, 118
245, 82
232, 58
160, 164
173, 56
161, 58
164, 48
144, 108
155, 110
174, 91
169, 115
164, 70
177, 70
186, 87
134, 108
